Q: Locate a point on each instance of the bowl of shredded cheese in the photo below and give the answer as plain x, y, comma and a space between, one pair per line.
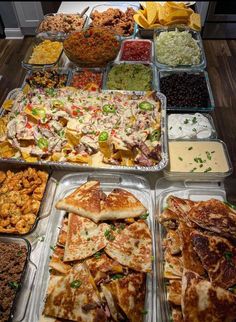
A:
43, 53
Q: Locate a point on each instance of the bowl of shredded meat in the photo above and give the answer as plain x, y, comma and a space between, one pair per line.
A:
93, 47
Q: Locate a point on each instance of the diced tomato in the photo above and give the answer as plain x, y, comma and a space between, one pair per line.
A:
28, 125
74, 113
136, 51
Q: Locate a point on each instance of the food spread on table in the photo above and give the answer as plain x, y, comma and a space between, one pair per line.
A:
61, 23
101, 258
177, 47
102, 237
199, 259
197, 156
189, 126
129, 77
136, 50
168, 13
21, 194
46, 52
185, 90
93, 47
120, 22
85, 127
13, 257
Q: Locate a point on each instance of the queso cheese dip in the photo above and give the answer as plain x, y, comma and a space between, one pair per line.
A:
192, 156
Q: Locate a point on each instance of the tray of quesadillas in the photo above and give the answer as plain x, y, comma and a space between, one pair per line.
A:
98, 263
196, 229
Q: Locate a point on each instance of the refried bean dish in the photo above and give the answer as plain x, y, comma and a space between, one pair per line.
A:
13, 260
122, 23
94, 47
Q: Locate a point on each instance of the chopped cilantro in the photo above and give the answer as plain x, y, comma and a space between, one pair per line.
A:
194, 130
208, 155
144, 312
86, 232
88, 239
97, 255
113, 227
190, 148
193, 169
213, 151
117, 276
171, 127
75, 284
14, 285
208, 169
201, 165
186, 121
109, 235
228, 256
181, 159
194, 120
144, 216
52, 248
180, 127
19, 253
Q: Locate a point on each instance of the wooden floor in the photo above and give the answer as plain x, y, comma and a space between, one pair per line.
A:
221, 65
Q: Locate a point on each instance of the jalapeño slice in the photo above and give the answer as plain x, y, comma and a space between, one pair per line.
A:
108, 108
103, 136
146, 106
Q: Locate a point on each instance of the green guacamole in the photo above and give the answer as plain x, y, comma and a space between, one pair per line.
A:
130, 77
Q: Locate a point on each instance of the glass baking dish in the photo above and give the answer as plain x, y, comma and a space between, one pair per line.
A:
211, 104
77, 70
59, 70
122, 7
137, 186
199, 176
38, 40
187, 190
58, 35
151, 57
213, 134
151, 66
196, 35
45, 203
73, 166
23, 292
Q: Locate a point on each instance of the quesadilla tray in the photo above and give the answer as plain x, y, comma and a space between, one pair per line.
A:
196, 243
100, 249
48, 128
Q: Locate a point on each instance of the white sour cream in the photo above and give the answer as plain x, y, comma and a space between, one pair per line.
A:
189, 126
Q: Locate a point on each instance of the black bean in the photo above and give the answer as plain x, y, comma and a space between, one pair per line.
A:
185, 90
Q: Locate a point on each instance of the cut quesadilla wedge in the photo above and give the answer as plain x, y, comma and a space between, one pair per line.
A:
201, 301
84, 238
132, 247
174, 290
121, 204
75, 297
215, 216
126, 296
173, 268
84, 201
218, 257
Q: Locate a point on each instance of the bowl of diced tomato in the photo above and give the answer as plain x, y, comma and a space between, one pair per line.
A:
93, 47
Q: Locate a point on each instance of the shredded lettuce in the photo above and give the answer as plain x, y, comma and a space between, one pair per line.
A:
177, 48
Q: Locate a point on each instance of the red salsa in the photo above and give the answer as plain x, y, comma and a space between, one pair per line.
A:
87, 80
136, 51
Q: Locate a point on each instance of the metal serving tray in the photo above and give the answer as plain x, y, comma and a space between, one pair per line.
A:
121, 6
136, 185
187, 190
119, 58
196, 35
211, 104
45, 204
210, 119
22, 296
58, 35
146, 63
73, 166
59, 70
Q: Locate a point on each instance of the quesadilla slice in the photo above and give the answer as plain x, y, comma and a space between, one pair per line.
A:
191, 259
121, 204
218, 257
201, 301
102, 267
126, 297
174, 290
75, 297
84, 201
169, 219
172, 242
173, 267
215, 216
132, 247
56, 262
180, 207
84, 238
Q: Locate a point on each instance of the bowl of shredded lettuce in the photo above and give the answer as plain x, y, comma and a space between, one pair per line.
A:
178, 48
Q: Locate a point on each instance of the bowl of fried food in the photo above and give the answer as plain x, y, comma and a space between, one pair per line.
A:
93, 47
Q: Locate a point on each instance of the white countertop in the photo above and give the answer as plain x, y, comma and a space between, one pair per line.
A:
78, 6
